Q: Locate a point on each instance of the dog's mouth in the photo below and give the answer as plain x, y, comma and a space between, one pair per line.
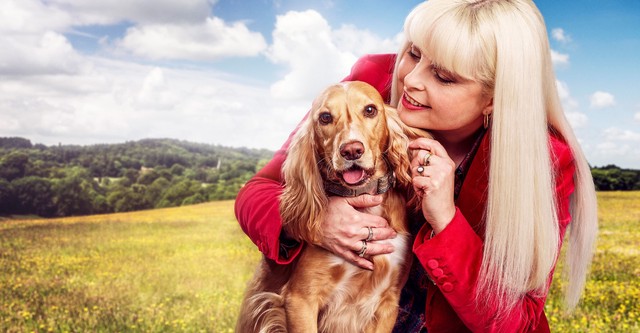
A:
354, 176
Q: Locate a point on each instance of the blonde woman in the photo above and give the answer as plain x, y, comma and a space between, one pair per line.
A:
500, 183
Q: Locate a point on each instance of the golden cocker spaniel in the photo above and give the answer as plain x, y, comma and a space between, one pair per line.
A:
351, 143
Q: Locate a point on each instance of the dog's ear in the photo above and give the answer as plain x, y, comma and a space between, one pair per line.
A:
303, 200
397, 151
399, 154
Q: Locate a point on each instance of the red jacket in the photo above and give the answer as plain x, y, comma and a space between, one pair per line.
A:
452, 258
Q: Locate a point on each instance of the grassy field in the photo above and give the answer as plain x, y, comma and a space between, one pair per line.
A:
184, 270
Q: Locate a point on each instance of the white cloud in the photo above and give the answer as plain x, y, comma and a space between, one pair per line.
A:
636, 117
302, 41
602, 99
609, 149
559, 58
204, 41
617, 134
570, 105
114, 101
361, 42
52, 93
577, 119
30, 54
31, 16
315, 54
559, 35
617, 146
140, 11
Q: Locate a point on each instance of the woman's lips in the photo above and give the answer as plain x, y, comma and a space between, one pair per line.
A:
411, 104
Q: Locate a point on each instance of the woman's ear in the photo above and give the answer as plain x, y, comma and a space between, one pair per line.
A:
488, 108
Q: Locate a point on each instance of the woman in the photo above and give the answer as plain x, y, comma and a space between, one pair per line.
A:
500, 182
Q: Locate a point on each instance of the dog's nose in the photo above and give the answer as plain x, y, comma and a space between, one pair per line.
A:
352, 150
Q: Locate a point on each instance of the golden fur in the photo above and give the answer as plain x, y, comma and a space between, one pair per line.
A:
319, 291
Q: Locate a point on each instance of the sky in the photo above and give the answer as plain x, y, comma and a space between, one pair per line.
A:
244, 73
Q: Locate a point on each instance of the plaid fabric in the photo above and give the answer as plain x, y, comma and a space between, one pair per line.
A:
411, 315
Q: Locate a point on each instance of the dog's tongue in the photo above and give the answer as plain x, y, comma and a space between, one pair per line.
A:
353, 176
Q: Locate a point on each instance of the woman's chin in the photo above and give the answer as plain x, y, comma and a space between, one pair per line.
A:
411, 118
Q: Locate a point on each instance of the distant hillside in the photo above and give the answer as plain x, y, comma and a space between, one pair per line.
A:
68, 180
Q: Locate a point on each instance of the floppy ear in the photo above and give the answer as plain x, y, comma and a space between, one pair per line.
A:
303, 200
397, 151
399, 155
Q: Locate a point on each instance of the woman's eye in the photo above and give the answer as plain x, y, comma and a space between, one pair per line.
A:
443, 78
414, 53
370, 111
325, 118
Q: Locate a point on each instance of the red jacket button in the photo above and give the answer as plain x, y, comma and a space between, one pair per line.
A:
437, 272
433, 264
447, 287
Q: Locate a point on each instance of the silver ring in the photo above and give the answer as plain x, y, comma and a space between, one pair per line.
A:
420, 169
426, 158
363, 250
370, 237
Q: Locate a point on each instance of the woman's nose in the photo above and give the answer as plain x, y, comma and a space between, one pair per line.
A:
416, 78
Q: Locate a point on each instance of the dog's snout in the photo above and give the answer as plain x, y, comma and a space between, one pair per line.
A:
352, 150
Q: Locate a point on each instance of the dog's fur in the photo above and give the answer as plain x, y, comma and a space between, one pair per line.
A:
321, 292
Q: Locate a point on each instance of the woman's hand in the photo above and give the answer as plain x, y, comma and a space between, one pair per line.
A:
345, 228
435, 183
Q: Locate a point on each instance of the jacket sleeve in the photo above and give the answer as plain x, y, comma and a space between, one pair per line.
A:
256, 205
453, 257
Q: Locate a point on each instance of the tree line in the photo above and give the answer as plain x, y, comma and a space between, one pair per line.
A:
67, 180
614, 178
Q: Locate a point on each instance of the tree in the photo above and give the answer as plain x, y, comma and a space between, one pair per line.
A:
7, 198
129, 199
75, 193
177, 193
34, 196
14, 165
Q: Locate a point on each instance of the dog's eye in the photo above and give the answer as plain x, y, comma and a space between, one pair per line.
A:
325, 118
370, 111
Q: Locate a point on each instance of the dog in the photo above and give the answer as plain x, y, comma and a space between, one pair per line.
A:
351, 143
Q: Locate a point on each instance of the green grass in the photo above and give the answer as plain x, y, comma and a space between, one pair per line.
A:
185, 269
611, 301
170, 270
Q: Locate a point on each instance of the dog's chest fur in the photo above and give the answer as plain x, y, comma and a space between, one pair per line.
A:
357, 293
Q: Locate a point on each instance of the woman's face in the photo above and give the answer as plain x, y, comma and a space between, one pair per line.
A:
437, 100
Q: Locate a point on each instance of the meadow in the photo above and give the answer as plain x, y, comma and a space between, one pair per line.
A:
184, 270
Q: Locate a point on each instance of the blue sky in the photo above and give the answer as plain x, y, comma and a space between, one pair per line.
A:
243, 73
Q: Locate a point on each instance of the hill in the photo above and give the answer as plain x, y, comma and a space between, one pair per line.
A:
66, 180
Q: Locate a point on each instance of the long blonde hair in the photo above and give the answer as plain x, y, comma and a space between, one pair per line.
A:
503, 44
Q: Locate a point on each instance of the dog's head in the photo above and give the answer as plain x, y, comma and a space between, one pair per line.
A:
351, 134
350, 138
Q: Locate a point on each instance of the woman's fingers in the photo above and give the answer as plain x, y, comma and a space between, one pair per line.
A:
346, 229
429, 145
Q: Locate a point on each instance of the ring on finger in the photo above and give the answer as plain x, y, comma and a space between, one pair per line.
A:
363, 250
370, 237
426, 158
420, 169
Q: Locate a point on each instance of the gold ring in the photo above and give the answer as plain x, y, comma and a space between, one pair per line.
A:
363, 250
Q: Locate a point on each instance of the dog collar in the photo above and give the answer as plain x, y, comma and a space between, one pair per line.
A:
382, 185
